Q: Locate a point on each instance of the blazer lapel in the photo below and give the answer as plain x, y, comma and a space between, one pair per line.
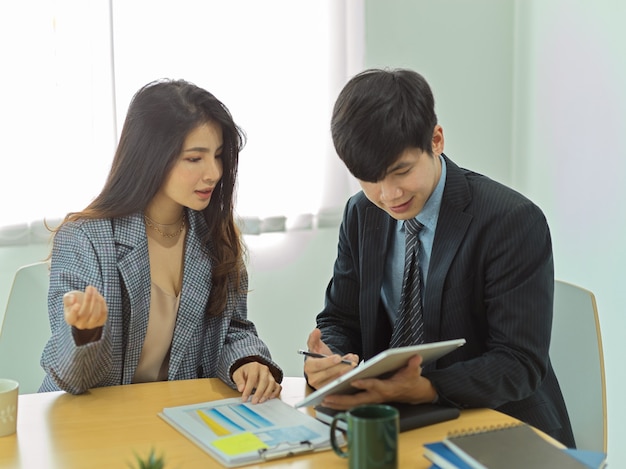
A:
452, 225
195, 292
134, 268
374, 251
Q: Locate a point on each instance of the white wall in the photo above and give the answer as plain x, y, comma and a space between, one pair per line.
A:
571, 149
466, 56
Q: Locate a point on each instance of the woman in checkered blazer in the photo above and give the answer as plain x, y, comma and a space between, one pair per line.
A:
148, 282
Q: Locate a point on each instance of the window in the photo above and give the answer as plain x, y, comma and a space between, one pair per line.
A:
277, 65
57, 133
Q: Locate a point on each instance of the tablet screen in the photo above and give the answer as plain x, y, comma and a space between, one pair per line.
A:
385, 362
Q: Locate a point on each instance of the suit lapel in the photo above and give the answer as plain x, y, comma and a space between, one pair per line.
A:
452, 225
374, 251
134, 268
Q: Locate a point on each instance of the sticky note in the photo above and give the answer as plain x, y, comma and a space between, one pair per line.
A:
239, 444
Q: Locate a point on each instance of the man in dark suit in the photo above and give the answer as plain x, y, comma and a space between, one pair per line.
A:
485, 260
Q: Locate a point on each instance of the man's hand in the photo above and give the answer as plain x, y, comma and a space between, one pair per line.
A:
320, 371
406, 385
256, 377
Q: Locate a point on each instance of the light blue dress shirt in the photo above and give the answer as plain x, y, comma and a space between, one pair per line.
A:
394, 265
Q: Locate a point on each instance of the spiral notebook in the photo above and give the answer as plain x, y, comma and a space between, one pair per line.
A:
443, 457
515, 446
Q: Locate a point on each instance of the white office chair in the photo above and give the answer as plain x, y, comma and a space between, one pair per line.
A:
578, 361
25, 328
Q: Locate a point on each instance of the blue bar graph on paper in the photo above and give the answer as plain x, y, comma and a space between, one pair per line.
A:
251, 416
238, 418
219, 416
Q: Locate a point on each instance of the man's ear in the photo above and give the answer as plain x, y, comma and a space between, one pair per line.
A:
438, 140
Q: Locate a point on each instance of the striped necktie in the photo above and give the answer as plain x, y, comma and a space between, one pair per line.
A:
409, 326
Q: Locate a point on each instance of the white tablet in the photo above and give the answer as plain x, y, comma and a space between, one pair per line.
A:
386, 361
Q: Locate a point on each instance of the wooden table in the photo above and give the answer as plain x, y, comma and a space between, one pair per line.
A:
106, 427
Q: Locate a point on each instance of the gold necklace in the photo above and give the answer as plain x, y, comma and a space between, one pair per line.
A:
152, 224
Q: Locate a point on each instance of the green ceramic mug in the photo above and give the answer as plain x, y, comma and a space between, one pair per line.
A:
372, 435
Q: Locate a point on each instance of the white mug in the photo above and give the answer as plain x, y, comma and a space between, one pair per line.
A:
8, 406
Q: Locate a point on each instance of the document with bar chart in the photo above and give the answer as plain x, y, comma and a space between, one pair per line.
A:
237, 433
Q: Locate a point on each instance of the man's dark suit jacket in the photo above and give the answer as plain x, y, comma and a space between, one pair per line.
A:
490, 281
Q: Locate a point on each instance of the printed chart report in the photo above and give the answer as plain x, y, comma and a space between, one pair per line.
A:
238, 433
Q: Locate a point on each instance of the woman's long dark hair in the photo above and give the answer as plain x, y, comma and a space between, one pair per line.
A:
159, 118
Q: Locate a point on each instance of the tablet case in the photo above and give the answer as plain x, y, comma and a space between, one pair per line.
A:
411, 415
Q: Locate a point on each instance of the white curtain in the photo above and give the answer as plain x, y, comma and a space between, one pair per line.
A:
74, 66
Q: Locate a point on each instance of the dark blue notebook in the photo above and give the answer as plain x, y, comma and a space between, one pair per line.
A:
443, 457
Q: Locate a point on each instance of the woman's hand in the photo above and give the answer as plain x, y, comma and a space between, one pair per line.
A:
256, 380
85, 310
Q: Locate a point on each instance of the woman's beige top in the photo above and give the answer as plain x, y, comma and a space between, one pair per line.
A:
155, 354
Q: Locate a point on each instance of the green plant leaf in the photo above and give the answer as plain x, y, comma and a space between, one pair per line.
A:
151, 462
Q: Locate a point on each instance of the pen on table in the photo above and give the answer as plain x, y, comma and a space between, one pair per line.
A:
319, 355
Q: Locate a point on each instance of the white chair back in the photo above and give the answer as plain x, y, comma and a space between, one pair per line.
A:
26, 328
578, 361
